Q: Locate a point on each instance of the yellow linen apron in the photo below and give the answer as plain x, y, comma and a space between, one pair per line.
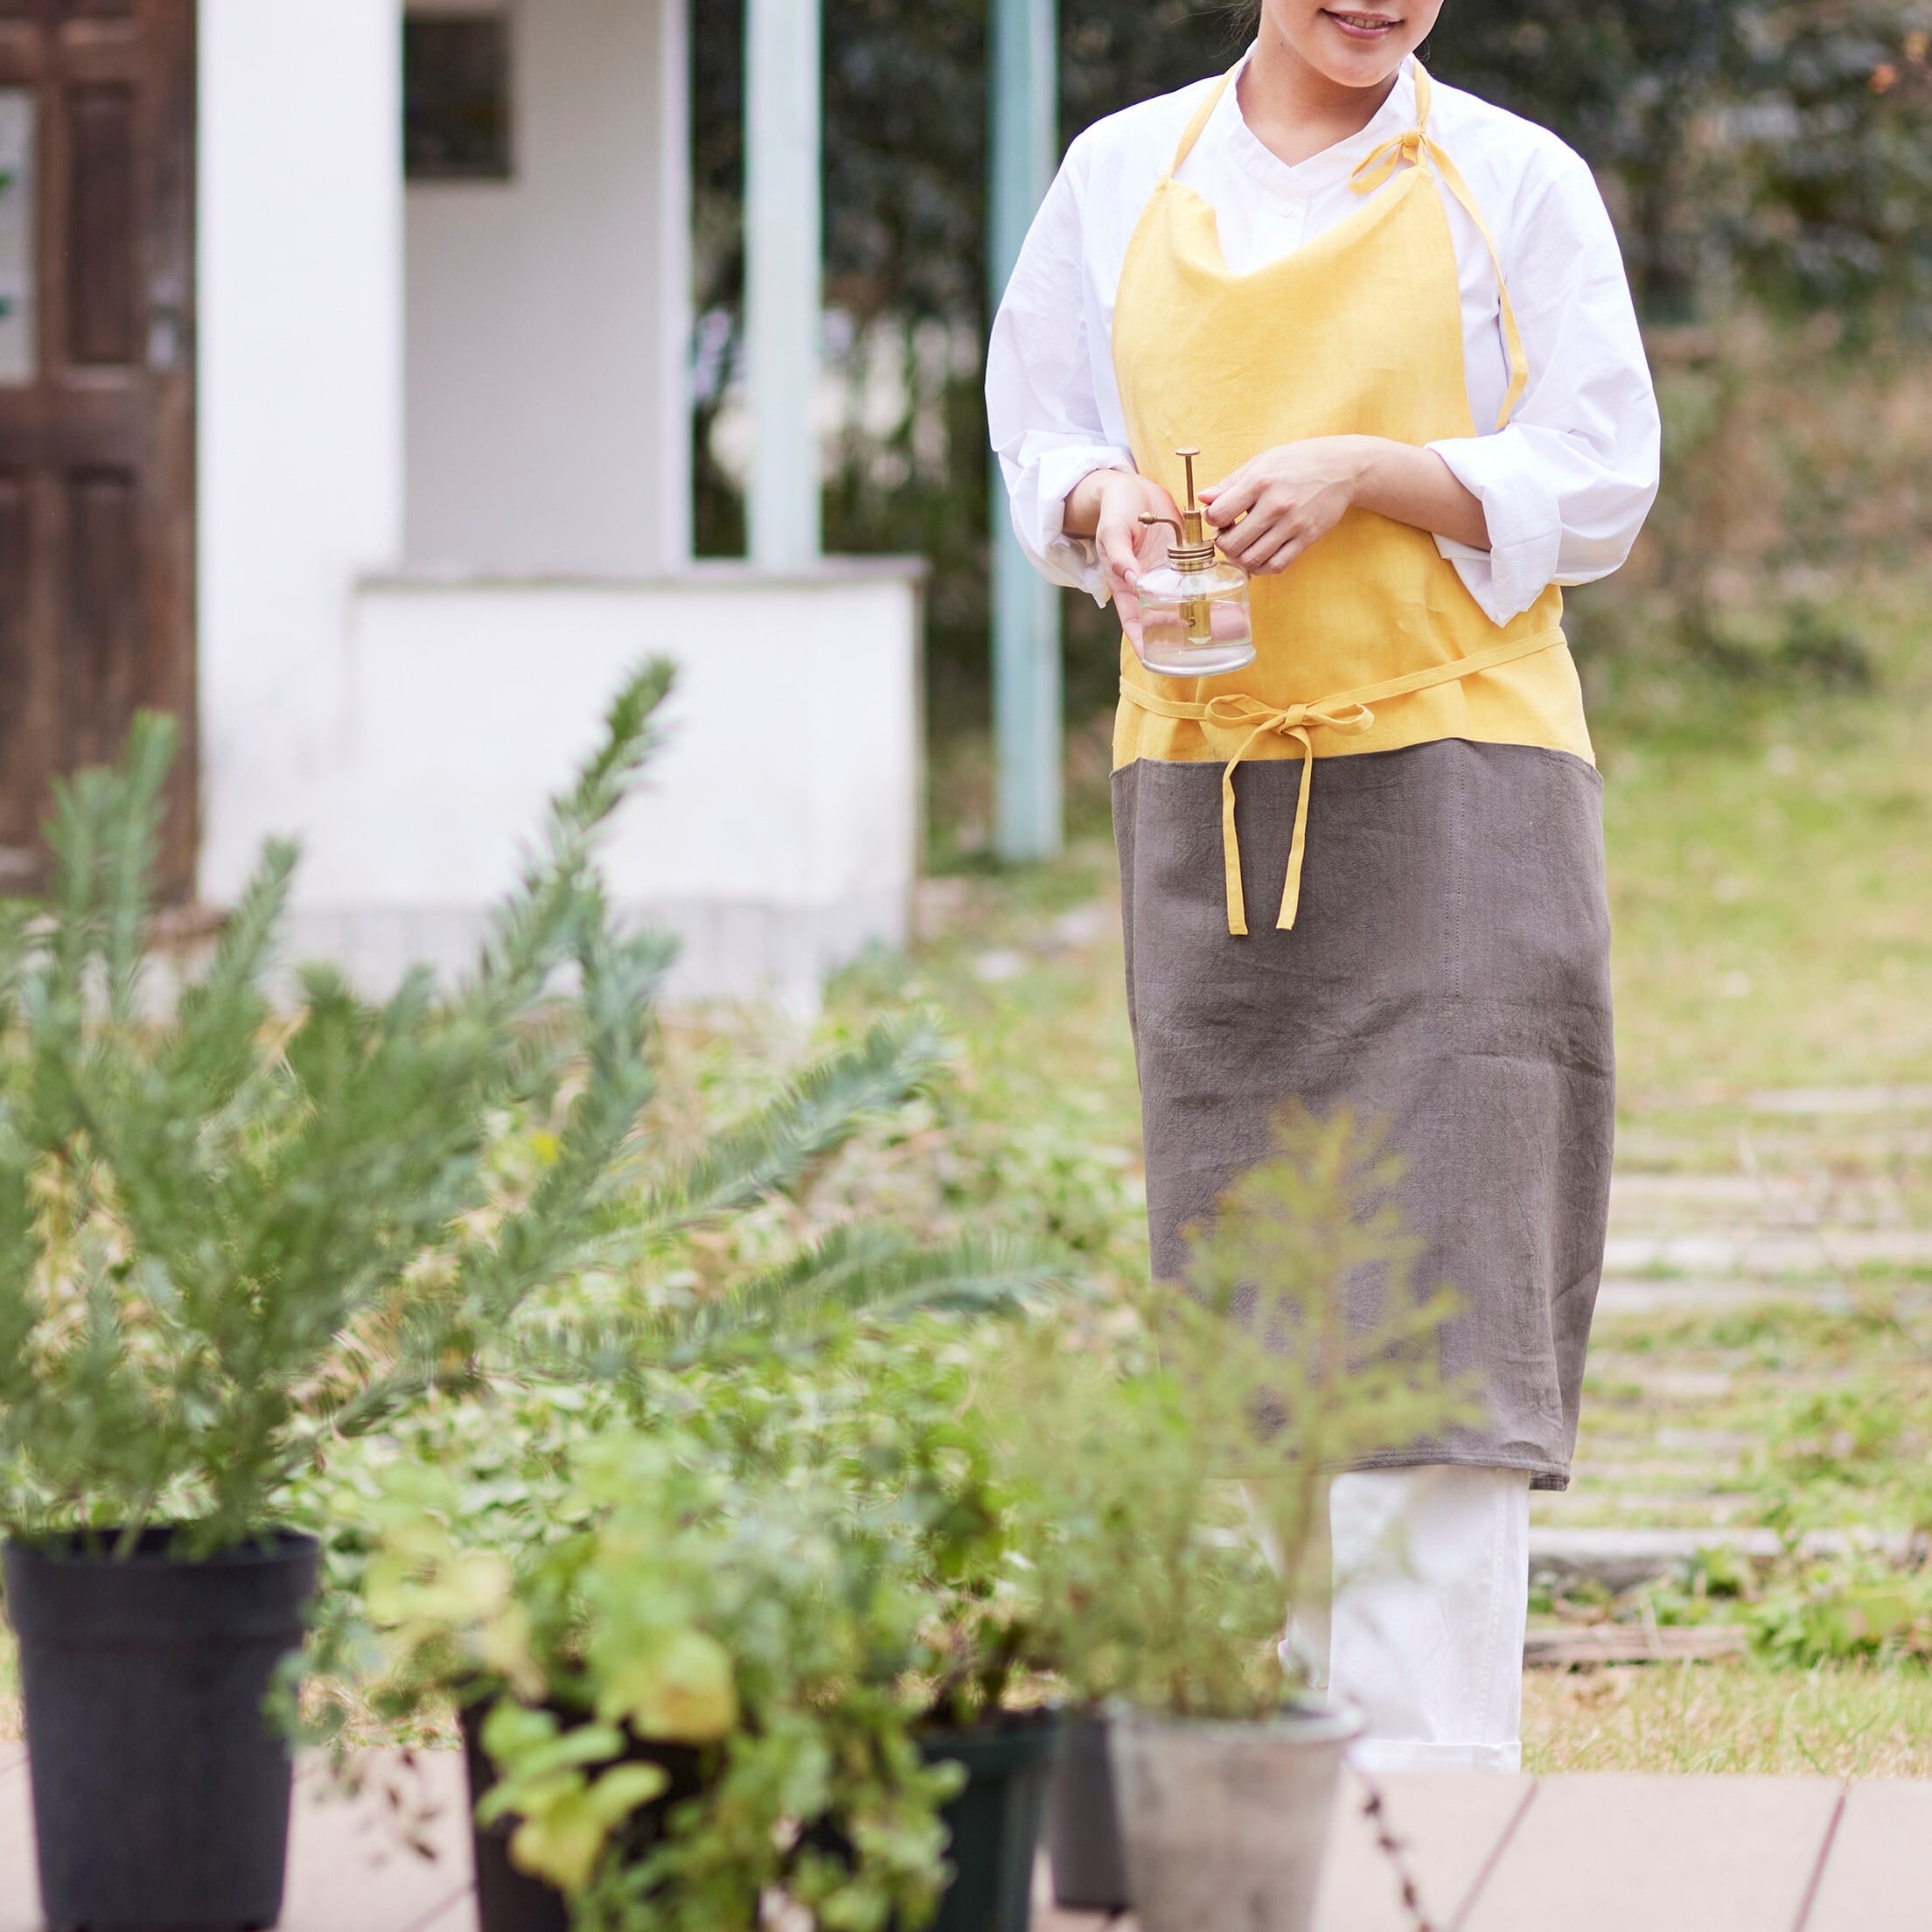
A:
1369, 641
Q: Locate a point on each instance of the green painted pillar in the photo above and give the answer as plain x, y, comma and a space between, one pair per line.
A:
1024, 146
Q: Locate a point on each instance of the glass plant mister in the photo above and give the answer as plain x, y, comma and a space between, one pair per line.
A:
1193, 608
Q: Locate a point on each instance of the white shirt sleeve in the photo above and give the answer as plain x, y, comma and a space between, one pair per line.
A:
1567, 486
1041, 406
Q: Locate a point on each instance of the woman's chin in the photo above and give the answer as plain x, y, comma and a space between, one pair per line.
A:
1353, 59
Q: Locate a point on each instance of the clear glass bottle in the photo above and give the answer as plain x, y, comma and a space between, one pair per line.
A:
1195, 621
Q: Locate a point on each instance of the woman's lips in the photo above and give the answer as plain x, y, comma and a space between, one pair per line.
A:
1362, 26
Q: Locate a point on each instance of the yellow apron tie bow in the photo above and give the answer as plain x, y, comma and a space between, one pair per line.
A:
1416, 150
1347, 713
1376, 168
1227, 713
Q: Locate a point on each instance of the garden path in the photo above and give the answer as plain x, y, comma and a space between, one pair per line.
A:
1594, 1854
1760, 1245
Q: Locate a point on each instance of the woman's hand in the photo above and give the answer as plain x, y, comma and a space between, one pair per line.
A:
1107, 505
1278, 503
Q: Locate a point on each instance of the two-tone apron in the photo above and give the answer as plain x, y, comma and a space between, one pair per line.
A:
1440, 957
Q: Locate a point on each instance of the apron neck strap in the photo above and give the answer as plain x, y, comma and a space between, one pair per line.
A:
1425, 96
1424, 93
1421, 152
1202, 116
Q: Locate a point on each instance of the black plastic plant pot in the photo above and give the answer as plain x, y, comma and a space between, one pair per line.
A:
510, 1901
160, 1787
994, 1822
1083, 1848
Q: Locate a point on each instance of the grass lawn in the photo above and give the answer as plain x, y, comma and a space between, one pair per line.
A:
1854, 1720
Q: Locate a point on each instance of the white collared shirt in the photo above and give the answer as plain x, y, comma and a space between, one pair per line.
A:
1565, 488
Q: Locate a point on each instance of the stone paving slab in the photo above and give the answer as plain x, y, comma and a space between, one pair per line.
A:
19, 1901
1600, 1643
1489, 1855
395, 1858
404, 1840
1621, 1558
1658, 1854
1625, 1294
1451, 1827
1824, 1252
1910, 1099
1878, 1877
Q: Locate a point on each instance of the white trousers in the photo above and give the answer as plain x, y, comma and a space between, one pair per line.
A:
1425, 1631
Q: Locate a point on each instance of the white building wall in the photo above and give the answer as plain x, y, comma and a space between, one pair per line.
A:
299, 390
775, 831
546, 311
408, 727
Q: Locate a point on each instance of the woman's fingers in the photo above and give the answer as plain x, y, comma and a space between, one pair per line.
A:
1232, 497
1258, 538
1119, 554
1265, 562
1126, 602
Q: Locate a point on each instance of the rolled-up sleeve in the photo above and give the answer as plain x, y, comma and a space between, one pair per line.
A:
1041, 407
1565, 487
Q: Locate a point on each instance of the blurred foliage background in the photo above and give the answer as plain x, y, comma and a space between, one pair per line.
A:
1769, 170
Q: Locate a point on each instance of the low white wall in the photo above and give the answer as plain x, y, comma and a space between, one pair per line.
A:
776, 832
548, 429
299, 389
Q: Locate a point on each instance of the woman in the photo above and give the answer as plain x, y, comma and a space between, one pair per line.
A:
1394, 320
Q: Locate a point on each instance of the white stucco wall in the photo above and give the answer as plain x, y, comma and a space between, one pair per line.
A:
775, 832
299, 390
545, 313
408, 726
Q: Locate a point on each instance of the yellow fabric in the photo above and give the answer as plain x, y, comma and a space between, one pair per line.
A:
1359, 331
1421, 153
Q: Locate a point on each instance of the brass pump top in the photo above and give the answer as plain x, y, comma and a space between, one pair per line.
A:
1194, 549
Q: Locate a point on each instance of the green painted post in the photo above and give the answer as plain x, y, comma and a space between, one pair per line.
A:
1023, 107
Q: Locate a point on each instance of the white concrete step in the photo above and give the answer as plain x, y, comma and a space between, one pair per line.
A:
1621, 1558
1826, 1252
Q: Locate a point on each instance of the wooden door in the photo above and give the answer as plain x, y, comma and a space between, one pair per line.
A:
96, 399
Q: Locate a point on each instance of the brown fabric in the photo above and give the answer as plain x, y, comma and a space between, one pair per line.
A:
1449, 975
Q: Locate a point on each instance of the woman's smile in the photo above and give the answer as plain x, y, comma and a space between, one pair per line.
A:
1362, 26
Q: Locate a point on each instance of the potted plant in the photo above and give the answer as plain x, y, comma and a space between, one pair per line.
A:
865, 1451
1169, 1493
702, 1694
889, 1419
233, 1232
986, 1711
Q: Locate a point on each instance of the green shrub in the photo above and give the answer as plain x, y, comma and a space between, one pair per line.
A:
230, 1231
1172, 1505
236, 1234
776, 1619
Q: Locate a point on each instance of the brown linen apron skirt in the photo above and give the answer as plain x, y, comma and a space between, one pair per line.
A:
1448, 974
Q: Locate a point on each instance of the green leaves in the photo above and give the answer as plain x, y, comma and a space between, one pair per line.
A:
687, 1598
221, 1226
1858, 1606
1170, 1485
815, 1114
676, 1685
564, 1816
